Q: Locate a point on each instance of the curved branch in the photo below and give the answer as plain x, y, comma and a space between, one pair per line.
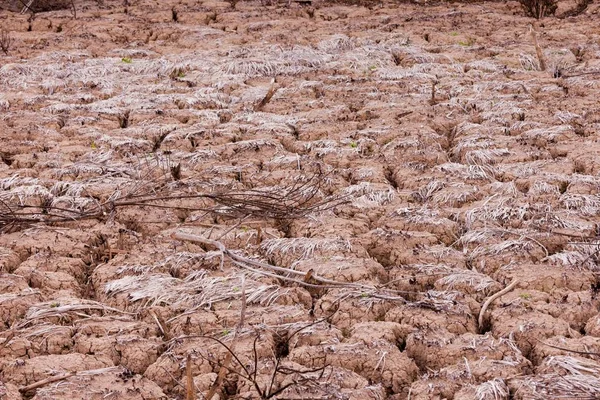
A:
493, 297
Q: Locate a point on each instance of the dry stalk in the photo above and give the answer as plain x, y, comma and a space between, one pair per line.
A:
26, 6
44, 382
433, 101
538, 49
589, 353
5, 41
26, 389
189, 384
161, 326
8, 337
492, 298
73, 9
265, 100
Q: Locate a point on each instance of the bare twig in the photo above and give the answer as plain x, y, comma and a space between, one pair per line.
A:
294, 201
493, 297
590, 353
44, 382
26, 6
270, 391
218, 383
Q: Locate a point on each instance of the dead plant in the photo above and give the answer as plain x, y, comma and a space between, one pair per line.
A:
539, 8
123, 119
5, 41
302, 197
538, 50
267, 98
233, 364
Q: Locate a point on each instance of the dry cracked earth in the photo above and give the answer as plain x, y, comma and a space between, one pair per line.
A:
369, 175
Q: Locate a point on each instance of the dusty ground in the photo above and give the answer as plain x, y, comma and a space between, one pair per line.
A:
464, 168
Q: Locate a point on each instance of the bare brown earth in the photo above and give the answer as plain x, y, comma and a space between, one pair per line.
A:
464, 168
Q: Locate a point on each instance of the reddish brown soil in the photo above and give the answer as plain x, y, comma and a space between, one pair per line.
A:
465, 167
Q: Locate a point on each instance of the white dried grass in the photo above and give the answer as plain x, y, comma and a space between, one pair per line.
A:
15, 181
541, 187
570, 381
336, 44
299, 58
484, 157
452, 168
63, 307
476, 236
579, 255
26, 195
481, 172
421, 215
455, 194
498, 210
529, 62
368, 195
398, 73
572, 259
522, 170
199, 156
446, 300
70, 189
252, 67
571, 365
586, 204
198, 290
460, 278
566, 117
486, 66
552, 133
504, 188
544, 217
465, 144
455, 278
495, 389
425, 193
44, 331
254, 144
72, 203
304, 247
504, 110
271, 61
519, 246
321, 147
405, 143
